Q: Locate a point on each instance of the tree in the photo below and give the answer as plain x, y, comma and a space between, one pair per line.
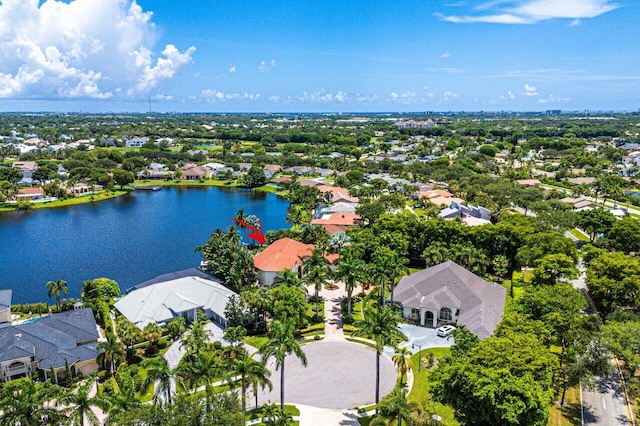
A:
395, 407
176, 327
435, 254
57, 288
280, 344
25, 403
505, 380
351, 271
623, 338
552, 268
625, 235
196, 338
123, 177
80, 402
152, 333
99, 289
613, 280
160, 375
316, 273
250, 371
288, 278
112, 352
381, 323
289, 305
235, 312
255, 177
403, 362
595, 222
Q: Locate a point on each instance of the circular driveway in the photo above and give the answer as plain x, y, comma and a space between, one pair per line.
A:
338, 375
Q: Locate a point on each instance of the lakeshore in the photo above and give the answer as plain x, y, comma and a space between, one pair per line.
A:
130, 238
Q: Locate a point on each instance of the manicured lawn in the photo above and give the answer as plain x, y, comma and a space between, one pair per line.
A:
420, 392
256, 341
311, 312
579, 235
102, 195
568, 415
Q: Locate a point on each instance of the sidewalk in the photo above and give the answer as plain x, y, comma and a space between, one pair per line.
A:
333, 313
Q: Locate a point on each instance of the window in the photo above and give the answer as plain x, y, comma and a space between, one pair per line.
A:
445, 314
415, 313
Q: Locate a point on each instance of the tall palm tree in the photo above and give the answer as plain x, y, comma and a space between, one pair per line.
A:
316, 270
56, 289
112, 352
250, 371
386, 266
195, 338
403, 362
280, 344
200, 370
436, 253
288, 278
381, 323
125, 398
24, 402
351, 272
79, 403
159, 374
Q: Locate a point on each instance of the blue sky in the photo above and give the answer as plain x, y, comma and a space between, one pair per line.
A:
342, 56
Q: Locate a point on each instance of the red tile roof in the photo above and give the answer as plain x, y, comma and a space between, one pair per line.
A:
283, 254
337, 219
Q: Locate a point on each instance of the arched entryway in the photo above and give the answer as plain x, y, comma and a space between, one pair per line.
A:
428, 319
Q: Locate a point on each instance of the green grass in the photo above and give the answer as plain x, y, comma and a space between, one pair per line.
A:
420, 392
568, 415
257, 412
311, 312
579, 235
100, 196
256, 341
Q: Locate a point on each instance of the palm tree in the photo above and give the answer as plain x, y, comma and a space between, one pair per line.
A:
80, 402
274, 416
403, 362
436, 253
288, 278
395, 407
199, 370
128, 333
125, 398
24, 402
351, 272
385, 267
381, 323
280, 344
55, 289
250, 371
316, 270
195, 338
112, 352
159, 374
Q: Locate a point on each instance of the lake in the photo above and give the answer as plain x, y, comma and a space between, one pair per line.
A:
130, 239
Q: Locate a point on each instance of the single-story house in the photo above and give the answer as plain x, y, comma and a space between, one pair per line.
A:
180, 294
51, 342
449, 294
579, 204
30, 194
136, 142
529, 182
283, 254
340, 219
193, 172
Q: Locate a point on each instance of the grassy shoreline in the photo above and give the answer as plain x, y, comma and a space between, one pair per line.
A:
106, 195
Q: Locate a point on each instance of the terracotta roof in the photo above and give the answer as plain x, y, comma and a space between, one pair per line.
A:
283, 254
337, 219
332, 229
30, 191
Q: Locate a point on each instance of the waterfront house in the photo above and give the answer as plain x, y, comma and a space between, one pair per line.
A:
284, 254
449, 294
179, 294
194, 172
5, 308
52, 342
30, 194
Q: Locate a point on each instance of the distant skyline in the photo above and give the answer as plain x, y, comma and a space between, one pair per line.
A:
332, 56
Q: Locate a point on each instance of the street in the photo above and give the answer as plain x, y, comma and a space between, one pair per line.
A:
605, 405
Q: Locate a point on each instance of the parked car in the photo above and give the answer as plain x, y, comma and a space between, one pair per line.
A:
445, 330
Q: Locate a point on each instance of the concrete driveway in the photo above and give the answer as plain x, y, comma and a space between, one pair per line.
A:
338, 375
423, 336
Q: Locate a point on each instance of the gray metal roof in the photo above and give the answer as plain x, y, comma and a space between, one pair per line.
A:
52, 339
161, 301
450, 285
191, 272
5, 299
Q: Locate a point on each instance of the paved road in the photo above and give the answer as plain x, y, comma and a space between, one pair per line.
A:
605, 405
338, 375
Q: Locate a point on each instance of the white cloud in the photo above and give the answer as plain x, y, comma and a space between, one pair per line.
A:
266, 66
445, 55
533, 11
530, 90
232, 69
553, 100
212, 95
82, 49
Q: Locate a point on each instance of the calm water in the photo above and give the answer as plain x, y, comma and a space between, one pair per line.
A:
130, 239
